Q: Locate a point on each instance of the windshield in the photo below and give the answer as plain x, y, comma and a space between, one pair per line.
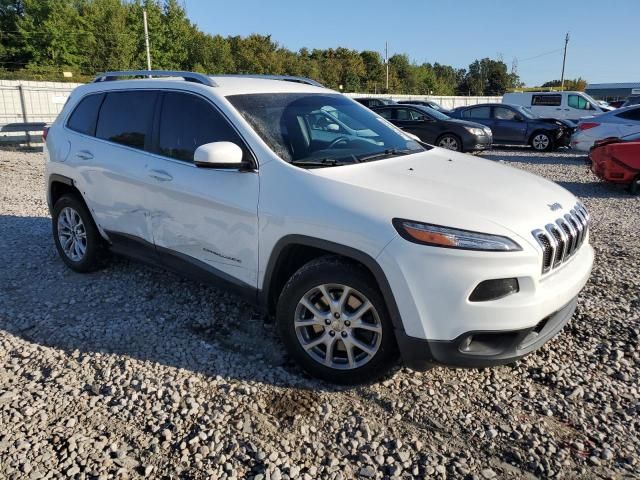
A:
526, 112
321, 130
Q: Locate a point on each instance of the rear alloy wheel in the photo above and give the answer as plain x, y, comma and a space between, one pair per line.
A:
541, 142
334, 322
450, 142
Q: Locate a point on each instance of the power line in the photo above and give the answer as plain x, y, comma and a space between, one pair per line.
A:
540, 55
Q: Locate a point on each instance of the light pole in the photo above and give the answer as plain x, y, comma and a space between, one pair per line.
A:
564, 59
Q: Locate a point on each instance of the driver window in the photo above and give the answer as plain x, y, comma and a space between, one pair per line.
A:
501, 113
581, 103
416, 115
403, 114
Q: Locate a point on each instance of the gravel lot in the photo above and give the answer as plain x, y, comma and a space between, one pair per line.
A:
135, 372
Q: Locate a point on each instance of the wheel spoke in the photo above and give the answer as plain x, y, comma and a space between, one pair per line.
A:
314, 343
346, 293
367, 326
328, 355
310, 322
362, 309
326, 295
348, 346
365, 348
311, 307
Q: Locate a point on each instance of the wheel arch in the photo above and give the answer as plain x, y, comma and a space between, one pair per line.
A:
293, 251
58, 186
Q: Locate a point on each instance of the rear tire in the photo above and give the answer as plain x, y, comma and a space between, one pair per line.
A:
76, 236
334, 322
634, 186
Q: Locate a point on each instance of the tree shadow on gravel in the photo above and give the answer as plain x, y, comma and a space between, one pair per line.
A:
134, 310
596, 189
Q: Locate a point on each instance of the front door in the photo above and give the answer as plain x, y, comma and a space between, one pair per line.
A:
416, 122
509, 126
202, 217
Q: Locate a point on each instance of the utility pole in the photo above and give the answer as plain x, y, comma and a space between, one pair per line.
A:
146, 38
386, 61
564, 59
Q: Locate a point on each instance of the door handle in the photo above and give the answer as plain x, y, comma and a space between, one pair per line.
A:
85, 155
160, 175
558, 109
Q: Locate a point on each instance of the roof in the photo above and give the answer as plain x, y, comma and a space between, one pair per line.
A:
602, 86
224, 85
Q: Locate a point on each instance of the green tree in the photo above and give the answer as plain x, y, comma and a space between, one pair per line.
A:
576, 84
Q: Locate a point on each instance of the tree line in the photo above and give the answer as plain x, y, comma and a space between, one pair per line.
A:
42, 38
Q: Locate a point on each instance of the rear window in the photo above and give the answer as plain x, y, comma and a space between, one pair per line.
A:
546, 100
84, 117
126, 117
632, 114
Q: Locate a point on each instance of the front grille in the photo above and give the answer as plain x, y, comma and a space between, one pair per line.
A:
560, 240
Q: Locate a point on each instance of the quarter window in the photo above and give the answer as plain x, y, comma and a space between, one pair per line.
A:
84, 117
187, 122
546, 100
126, 117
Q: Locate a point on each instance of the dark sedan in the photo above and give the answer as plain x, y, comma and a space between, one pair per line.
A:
437, 128
515, 125
426, 103
372, 102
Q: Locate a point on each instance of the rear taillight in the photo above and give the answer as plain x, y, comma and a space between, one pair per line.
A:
587, 125
45, 132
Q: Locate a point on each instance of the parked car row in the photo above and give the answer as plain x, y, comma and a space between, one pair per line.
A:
617, 123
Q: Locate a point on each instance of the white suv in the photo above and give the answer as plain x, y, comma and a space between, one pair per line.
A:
363, 242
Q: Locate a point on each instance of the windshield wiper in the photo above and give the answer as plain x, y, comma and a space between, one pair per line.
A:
322, 162
392, 152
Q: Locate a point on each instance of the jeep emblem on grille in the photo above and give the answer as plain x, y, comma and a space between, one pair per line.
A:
555, 206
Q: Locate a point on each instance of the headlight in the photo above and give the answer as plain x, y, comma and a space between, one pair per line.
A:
475, 131
438, 236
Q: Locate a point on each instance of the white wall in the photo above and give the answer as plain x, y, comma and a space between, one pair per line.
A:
42, 100
445, 101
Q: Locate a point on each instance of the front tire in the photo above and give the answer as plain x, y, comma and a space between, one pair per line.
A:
450, 142
334, 322
541, 142
76, 236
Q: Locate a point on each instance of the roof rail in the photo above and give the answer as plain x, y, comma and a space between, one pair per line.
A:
188, 76
286, 78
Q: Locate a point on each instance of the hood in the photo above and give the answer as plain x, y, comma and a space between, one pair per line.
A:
457, 190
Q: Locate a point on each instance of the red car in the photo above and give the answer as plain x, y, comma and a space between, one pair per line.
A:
617, 160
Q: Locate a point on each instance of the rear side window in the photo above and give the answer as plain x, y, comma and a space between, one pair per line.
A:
502, 113
85, 115
126, 118
546, 100
477, 112
187, 122
633, 114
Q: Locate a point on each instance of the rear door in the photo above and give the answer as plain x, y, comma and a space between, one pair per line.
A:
202, 217
628, 122
480, 114
508, 126
111, 163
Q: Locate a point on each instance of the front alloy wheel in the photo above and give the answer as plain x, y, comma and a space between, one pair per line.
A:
541, 142
338, 326
334, 322
449, 142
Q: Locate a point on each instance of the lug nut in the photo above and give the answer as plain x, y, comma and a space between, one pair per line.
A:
332, 333
327, 322
337, 315
344, 334
347, 323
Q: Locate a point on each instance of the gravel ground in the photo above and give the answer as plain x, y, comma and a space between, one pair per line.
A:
135, 372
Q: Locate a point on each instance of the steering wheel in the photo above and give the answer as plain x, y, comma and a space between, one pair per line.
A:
337, 141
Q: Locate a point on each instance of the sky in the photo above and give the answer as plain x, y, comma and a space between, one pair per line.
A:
604, 43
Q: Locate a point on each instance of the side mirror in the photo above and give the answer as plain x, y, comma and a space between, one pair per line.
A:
219, 155
333, 127
518, 118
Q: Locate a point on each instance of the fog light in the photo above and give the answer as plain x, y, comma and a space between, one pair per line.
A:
494, 289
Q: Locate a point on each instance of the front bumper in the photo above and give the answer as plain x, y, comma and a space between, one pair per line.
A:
474, 143
485, 348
